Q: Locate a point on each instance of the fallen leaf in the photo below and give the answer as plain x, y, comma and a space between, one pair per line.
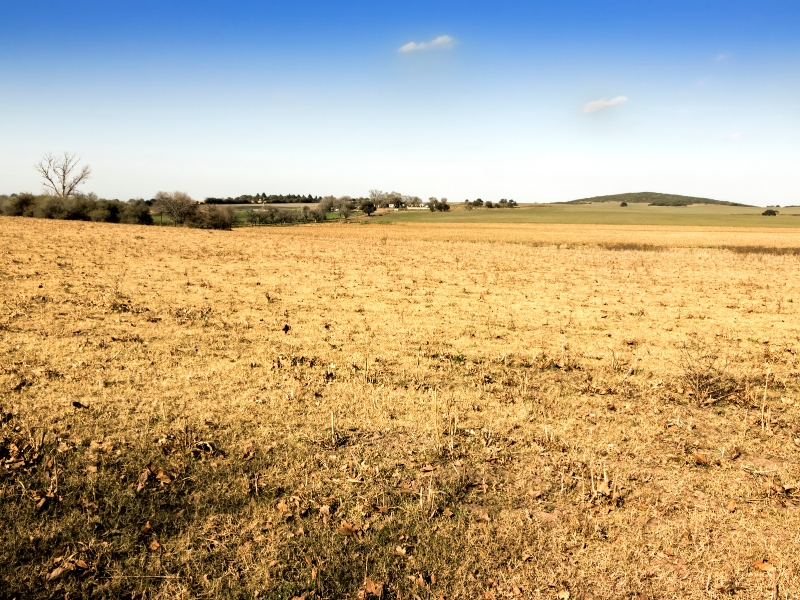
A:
346, 529
91, 469
563, 595
400, 550
373, 587
447, 513
59, 572
81, 565
763, 565
143, 477
428, 468
77, 404
146, 529
154, 545
546, 517
730, 506
163, 477
699, 459
603, 488
249, 453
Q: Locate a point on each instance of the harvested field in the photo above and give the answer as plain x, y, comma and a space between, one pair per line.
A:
399, 411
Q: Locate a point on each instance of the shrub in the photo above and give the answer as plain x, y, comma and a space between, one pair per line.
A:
216, 216
368, 207
136, 212
18, 205
623, 204
770, 213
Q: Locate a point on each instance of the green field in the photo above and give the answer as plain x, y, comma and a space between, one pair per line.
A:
606, 214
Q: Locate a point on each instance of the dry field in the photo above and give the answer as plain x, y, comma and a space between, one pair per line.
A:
405, 411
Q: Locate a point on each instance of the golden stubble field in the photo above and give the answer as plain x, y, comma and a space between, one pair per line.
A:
405, 411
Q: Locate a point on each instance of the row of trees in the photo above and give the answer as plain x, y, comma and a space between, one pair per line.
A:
182, 210
78, 207
264, 199
503, 203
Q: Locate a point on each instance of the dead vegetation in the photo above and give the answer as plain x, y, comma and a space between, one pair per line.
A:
396, 412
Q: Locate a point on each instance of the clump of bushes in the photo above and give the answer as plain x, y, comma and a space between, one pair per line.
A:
285, 216
76, 208
770, 213
502, 203
215, 216
438, 205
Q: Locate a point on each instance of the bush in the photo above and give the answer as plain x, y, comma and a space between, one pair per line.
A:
770, 213
78, 208
623, 204
216, 216
136, 212
18, 205
368, 207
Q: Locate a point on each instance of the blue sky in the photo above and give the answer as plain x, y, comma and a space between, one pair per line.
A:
539, 102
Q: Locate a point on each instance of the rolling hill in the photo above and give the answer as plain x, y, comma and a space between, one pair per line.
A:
653, 198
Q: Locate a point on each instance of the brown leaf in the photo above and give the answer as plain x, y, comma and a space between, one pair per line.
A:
77, 404
163, 477
90, 469
730, 506
428, 468
154, 545
59, 572
447, 513
763, 565
146, 529
81, 565
373, 587
400, 550
143, 477
545, 517
603, 488
700, 459
346, 529
249, 453
563, 595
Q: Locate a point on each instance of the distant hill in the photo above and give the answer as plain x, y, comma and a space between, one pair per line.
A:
653, 198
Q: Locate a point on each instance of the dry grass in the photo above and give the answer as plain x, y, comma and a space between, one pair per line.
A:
449, 411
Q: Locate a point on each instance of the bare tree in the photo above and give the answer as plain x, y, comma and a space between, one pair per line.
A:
344, 205
178, 205
60, 173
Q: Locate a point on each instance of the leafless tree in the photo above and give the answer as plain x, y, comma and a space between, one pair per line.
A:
60, 173
378, 197
178, 205
344, 205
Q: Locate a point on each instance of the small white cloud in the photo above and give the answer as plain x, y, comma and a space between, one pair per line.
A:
721, 57
443, 42
602, 103
736, 135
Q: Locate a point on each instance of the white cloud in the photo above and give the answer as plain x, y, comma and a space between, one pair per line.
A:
602, 103
721, 57
736, 135
443, 42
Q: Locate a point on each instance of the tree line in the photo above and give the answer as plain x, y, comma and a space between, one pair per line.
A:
62, 200
265, 199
